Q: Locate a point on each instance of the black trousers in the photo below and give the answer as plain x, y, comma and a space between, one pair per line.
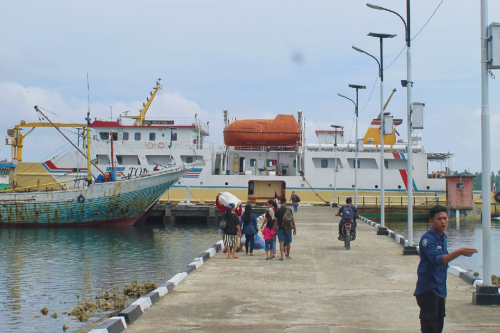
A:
249, 242
432, 312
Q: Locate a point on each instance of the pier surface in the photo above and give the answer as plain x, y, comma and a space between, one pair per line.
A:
324, 288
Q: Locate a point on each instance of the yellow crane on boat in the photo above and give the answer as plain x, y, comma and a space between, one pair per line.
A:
145, 106
15, 137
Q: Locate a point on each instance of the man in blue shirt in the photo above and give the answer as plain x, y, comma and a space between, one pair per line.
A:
348, 212
432, 271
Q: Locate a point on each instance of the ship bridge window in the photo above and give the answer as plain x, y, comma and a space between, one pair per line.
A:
173, 137
137, 136
152, 136
104, 136
158, 159
127, 160
253, 162
125, 136
363, 163
271, 163
192, 159
395, 164
115, 136
325, 163
103, 159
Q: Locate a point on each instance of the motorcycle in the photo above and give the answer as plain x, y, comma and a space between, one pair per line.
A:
347, 234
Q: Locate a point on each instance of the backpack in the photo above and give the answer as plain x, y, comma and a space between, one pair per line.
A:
347, 213
288, 221
222, 222
297, 198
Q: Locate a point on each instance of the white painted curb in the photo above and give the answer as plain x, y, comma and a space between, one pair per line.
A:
162, 291
211, 251
143, 302
122, 319
196, 264
455, 270
177, 278
200, 259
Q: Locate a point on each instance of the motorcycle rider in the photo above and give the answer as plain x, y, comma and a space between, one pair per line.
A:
349, 212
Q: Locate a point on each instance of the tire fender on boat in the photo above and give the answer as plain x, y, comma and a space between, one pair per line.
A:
81, 199
497, 197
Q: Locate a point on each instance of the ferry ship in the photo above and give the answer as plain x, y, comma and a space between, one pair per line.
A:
258, 158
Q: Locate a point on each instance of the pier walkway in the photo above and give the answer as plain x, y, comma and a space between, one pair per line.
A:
324, 288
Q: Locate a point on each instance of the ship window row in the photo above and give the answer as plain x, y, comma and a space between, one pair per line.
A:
270, 163
137, 136
363, 163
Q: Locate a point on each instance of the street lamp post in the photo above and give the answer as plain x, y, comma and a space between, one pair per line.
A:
382, 123
408, 84
357, 87
335, 165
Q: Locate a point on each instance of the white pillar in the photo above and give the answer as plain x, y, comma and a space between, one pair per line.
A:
409, 152
382, 147
485, 147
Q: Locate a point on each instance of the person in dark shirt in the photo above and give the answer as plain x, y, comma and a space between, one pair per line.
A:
231, 231
432, 271
353, 212
284, 236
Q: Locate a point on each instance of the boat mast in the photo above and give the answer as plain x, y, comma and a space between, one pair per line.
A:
89, 171
81, 152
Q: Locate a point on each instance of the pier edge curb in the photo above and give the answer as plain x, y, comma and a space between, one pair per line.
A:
132, 312
455, 270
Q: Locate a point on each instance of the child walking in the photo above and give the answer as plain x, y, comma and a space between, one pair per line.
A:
268, 233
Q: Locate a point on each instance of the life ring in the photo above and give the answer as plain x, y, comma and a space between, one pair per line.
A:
150, 145
497, 197
81, 199
161, 145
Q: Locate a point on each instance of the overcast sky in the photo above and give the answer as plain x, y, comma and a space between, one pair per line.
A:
251, 58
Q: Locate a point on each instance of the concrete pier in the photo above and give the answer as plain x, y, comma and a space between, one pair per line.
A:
324, 288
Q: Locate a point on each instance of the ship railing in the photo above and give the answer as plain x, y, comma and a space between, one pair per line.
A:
395, 200
437, 174
177, 121
265, 148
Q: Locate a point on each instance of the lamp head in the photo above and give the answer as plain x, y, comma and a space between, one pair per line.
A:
369, 5
379, 35
341, 95
358, 49
356, 86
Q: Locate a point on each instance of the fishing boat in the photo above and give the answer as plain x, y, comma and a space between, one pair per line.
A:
258, 157
94, 201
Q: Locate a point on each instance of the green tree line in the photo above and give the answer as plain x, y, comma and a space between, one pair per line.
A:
478, 178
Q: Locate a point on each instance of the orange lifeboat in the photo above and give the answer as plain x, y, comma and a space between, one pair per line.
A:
283, 130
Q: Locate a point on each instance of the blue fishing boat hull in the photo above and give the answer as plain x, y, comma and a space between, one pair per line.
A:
111, 203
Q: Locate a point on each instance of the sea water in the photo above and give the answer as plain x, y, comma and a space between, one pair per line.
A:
464, 234
58, 267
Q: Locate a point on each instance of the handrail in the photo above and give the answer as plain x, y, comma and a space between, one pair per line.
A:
394, 200
33, 186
